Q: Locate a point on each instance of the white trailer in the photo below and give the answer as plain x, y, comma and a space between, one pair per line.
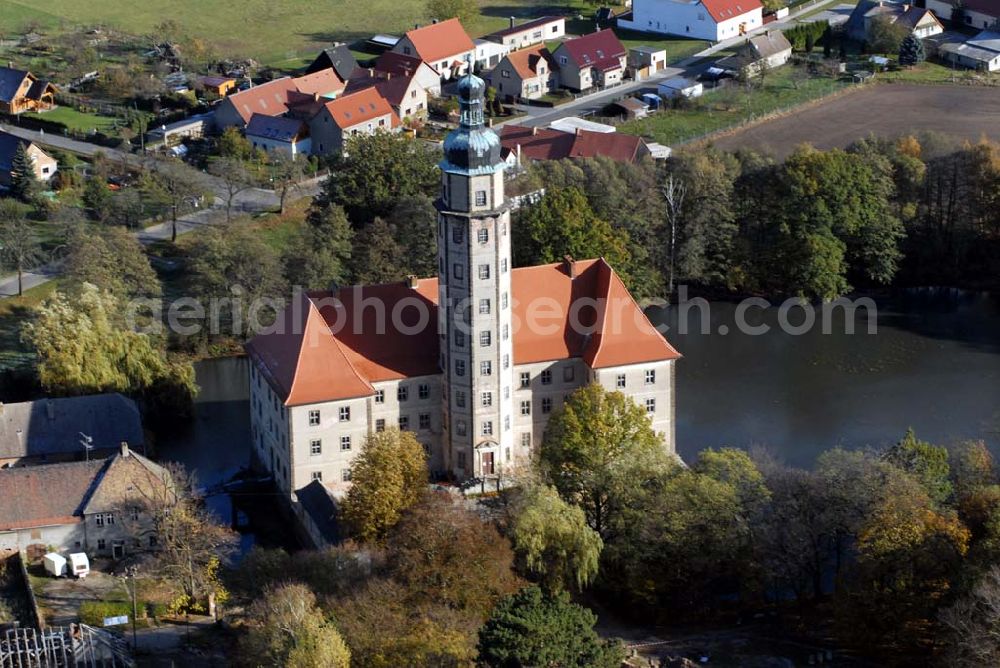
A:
55, 564
79, 564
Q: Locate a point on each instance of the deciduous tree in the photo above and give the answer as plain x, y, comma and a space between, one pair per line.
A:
113, 260
387, 477
286, 628
20, 247
598, 450
553, 540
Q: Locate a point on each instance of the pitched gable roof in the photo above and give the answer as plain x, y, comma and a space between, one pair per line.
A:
360, 107
441, 40
338, 57
364, 346
593, 50
324, 82
53, 426
270, 99
392, 88
548, 144
304, 362
277, 128
398, 64
525, 61
36, 496
8, 147
769, 44
723, 10
10, 82
50, 494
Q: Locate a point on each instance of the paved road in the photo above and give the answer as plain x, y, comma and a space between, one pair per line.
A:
252, 200
689, 67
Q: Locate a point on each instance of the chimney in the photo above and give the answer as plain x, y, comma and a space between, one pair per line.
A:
518, 155
534, 130
569, 265
50, 409
491, 122
579, 132
411, 282
315, 97
512, 22
371, 72
123, 449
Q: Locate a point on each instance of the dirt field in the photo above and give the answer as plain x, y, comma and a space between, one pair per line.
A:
964, 112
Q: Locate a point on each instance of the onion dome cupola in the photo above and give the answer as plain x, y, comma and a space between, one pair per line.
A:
472, 148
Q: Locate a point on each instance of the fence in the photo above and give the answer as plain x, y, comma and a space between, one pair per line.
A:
75, 646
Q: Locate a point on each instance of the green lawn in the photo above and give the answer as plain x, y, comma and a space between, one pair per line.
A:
677, 48
724, 109
273, 32
76, 120
14, 312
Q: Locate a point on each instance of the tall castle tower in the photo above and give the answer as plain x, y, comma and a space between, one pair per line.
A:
475, 300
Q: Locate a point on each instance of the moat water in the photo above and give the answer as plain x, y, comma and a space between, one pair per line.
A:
933, 364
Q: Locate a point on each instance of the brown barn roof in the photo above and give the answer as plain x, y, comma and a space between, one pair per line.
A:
525, 61
595, 49
548, 144
360, 107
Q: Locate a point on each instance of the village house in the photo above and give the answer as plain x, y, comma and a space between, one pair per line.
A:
522, 145
489, 54
767, 50
714, 20
645, 61
45, 165
363, 112
279, 133
396, 64
22, 91
597, 59
536, 31
919, 21
338, 58
97, 506
981, 52
275, 97
980, 14
407, 97
444, 45
59, 430
526, 74
478, 392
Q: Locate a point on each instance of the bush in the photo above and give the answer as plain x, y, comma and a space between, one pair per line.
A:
805, 33
157, 610
93, 613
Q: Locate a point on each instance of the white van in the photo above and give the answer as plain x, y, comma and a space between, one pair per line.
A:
79, 564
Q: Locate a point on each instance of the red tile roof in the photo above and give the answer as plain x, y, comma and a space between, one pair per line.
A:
360, 107
392, 88
597, 47
270, 99
548, 144
323, 82
441, 40
525, 61
397, 63
335, 348
723, 10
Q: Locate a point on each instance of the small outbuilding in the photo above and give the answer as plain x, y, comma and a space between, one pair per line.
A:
630, 108
680, 87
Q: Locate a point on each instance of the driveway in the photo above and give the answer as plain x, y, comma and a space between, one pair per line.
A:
690, 67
